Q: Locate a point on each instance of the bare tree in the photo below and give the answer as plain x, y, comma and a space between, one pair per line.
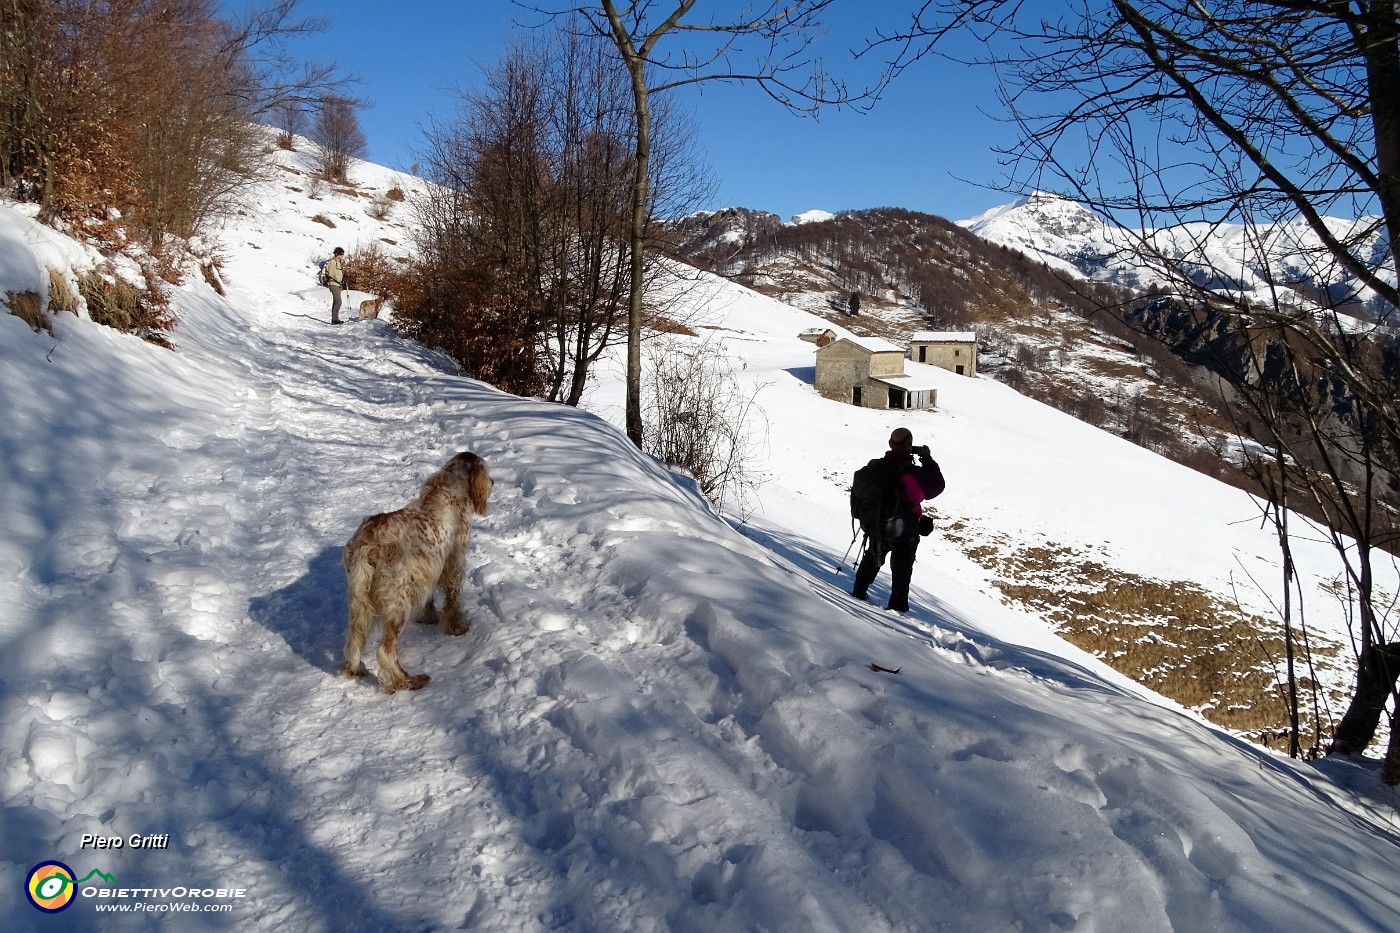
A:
337, 132
289, 117
138, 110
277, 81
533, 178
700, 419
25, 70
192, 144
1259, 114
769, 45
1248, 112
588, 125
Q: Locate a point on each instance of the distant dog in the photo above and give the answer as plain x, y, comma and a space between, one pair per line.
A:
369, 310
395, 561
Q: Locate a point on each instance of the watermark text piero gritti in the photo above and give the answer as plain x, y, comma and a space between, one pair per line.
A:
134, 841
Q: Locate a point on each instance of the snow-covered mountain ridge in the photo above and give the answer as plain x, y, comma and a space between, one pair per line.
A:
1227, 257
663, 719
1069, 238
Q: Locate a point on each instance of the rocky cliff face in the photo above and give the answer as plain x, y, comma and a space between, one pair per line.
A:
711, 238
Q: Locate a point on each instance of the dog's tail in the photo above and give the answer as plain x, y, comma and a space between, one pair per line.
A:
359, 576
359, 570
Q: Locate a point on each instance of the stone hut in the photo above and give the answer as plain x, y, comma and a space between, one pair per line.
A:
955, 351
821, 336
869, 372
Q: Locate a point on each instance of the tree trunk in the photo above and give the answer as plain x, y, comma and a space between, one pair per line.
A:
636, 60
1375, 682
641, 182
1382, 54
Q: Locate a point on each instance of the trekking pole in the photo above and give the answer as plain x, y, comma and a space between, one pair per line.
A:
842, 565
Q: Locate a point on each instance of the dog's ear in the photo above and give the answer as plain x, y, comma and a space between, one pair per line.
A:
471, 468
481, 486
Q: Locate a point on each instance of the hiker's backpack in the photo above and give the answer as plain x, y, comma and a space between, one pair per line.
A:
876, 501
323, 278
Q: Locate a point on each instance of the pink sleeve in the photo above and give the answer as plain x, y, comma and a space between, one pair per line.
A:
922, 483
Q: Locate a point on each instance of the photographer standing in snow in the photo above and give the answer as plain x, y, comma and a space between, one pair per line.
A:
887, 498
335, 281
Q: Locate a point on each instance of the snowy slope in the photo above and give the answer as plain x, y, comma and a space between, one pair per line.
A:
661, 719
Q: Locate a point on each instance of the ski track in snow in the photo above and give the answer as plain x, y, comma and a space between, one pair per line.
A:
649, 726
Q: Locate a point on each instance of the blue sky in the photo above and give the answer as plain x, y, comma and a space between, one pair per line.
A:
927, 145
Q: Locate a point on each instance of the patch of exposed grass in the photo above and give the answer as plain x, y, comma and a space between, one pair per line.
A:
380, 207
61, 295
663, 324
115, 302
1172, 636
28, 307
1119, 370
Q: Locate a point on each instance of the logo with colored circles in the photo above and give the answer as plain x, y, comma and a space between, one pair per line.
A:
50, 886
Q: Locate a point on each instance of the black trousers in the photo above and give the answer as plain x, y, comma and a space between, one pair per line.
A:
901, 552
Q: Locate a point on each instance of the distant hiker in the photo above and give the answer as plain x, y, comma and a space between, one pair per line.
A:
887, 499
333, 274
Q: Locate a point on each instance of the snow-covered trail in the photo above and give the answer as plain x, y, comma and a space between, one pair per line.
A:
656, 723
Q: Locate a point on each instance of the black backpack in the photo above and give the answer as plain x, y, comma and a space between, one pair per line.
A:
876, 503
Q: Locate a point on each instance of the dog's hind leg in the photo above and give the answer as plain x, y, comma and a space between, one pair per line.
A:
354, 646
358, 573
391, 674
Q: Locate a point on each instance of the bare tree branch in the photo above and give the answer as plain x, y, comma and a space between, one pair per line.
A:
1186, 116
771, 42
